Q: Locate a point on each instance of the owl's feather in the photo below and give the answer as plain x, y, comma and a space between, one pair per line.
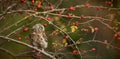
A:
38, 37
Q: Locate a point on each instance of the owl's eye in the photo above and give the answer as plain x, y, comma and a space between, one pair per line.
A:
41, 28
38, 28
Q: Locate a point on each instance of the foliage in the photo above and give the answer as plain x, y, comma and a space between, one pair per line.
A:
75, 29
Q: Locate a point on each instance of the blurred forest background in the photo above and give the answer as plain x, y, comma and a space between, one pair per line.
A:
75, 29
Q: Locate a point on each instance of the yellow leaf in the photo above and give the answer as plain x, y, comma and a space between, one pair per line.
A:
56, 18
74, 28
79, 41
54, 44
38, 2
92, 29
64, 42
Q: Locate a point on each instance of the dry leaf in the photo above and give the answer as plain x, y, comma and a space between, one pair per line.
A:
74, 28
65, 42
92, 29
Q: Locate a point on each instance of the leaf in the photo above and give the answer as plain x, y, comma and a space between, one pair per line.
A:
92, 29
63, 28
65, 42
56, 18
74, 28
78, 42
54, 44
38, 2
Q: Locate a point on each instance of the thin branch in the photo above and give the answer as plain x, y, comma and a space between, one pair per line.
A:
23, 53
30, 46
19, 28
107, 25
89, 17
8, 8
49, 12
65, 34
7, 51
14, 31
95, 35
32, 11
102, 7
58, 3
87, 21
97, 41
16, 23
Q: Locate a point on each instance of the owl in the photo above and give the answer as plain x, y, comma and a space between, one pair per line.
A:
38, 37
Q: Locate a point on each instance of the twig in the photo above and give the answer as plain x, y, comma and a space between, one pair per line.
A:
97, 41
7, 51
19, 28
94, 35
32, 11
23, 53
30, 46
58, 3
15, 31
107, 25
16, 23
87, 21
8, 8
65, 34
89, 17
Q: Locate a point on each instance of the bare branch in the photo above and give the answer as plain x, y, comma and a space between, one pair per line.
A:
97, 41
7, 51
65, 34
8, 8
30, 46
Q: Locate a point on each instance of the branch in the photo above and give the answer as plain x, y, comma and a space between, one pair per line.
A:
107, 25
7, 51
58, 3
8, 8
30, 46
97, 41
64, 33
19, 28
15, 23
14, 31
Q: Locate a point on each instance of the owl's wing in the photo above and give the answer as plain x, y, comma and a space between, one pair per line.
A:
44, 35
33, 39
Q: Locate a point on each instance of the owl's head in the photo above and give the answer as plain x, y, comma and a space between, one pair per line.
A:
38, 28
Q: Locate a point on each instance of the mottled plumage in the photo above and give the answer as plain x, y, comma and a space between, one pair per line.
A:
38, 37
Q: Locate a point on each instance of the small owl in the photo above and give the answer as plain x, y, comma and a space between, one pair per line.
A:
38, 37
